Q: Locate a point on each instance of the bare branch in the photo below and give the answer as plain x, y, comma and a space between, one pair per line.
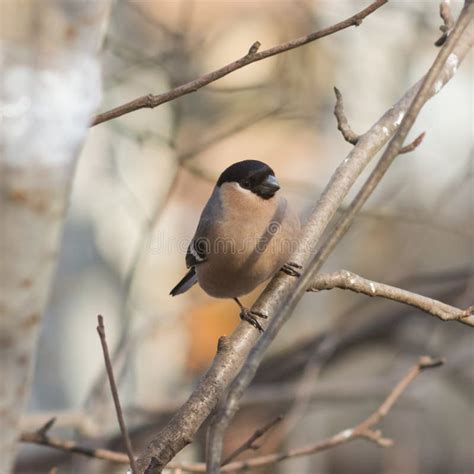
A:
448, 22
350, 281
151, 101
75, 448
79, 420
113, 389
413, 145
43, 431
250, 443
352, 137
284, 297
342, 123
254, 48
364, 430
425, 362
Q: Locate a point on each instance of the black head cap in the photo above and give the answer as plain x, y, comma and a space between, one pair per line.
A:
253, 175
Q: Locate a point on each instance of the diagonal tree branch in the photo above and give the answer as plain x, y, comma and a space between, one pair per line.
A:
280, 299
150, 101
233, 350
346, 280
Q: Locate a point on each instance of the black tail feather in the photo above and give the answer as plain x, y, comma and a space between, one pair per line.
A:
187, 282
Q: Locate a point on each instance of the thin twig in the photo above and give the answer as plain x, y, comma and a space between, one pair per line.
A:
352, 137
249, 444
151, 101
43, 431
342, 123
364, 430
73, 447
425, 362
413, 145
346, 280
113, 389
448, 22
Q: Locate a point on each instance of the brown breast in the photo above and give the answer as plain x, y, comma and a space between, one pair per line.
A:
249, 241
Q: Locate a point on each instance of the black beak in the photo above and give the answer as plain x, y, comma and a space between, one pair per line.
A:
267, 188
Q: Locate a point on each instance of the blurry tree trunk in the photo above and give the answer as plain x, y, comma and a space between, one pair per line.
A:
49, 88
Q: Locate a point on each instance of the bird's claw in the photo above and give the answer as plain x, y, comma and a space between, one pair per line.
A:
292, 269
251, 317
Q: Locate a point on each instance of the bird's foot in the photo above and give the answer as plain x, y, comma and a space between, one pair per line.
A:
292, 269
251, 317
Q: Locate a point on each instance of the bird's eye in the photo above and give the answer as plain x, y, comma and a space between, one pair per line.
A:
245, 184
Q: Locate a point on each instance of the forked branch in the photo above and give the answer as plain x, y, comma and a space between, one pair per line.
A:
346, 280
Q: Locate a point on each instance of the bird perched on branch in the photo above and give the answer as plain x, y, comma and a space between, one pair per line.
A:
246, 233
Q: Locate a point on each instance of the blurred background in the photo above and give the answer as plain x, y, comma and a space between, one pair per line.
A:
143, 179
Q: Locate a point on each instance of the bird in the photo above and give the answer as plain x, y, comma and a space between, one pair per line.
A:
246, 234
